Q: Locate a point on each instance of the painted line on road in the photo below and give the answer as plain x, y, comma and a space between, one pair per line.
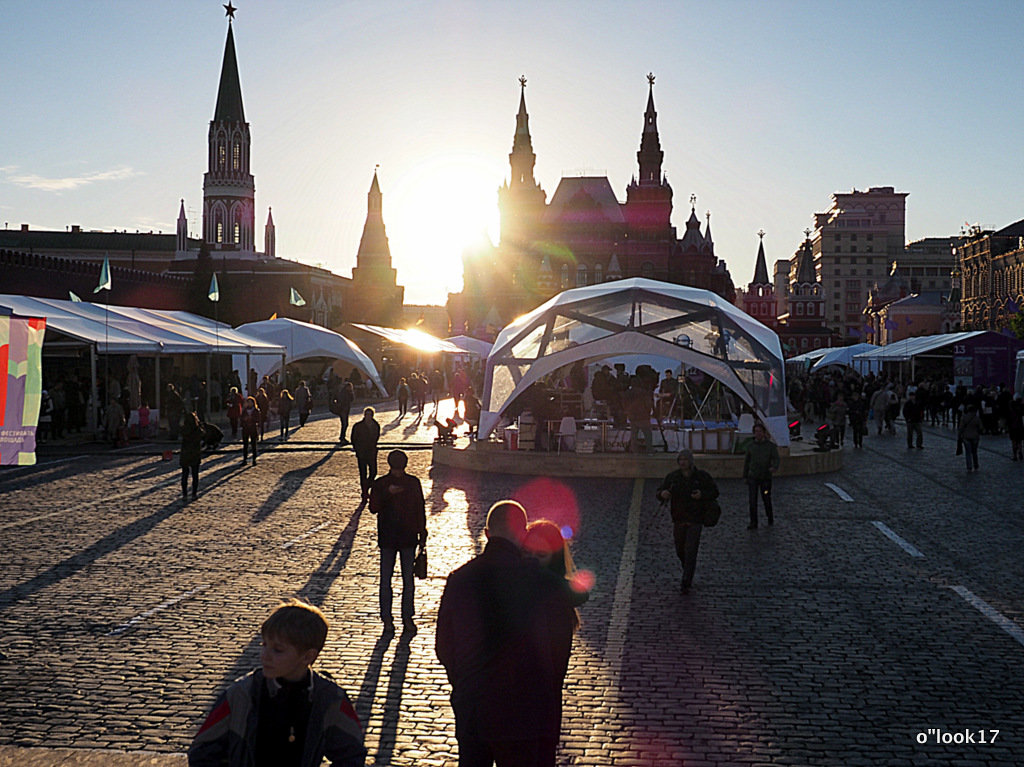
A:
840, 492
902, 543
624, 586
991, 613
305, 535
154, 610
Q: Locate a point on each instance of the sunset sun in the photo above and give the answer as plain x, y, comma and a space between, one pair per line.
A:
433, 212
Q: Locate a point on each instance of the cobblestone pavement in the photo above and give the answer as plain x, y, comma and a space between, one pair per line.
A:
852, 632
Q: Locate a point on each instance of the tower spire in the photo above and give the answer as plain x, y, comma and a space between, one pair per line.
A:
522, 159
650, 155
761, 266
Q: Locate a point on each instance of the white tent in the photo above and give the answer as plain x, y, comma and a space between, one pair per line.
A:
301, 341
638, 316
843, 355
472, 346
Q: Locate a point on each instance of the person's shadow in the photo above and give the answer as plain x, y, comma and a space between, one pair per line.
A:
368, 689
391, 710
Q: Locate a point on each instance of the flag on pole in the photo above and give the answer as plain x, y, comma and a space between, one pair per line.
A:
273, 316
1011, 306
74, 298
104, 276
296, 299
214, 294
868, 330
854, 332
890, 324
908, 321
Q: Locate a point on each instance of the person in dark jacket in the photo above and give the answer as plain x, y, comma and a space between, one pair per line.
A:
759, 465
285, 401
688, 491
303, 402
397, 500
365, 436
283, 713
858, 415
913, 414
250, 421
173, 406
191, 453
234, 402
341, 405
504, 636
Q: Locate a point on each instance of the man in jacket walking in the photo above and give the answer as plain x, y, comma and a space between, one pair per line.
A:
759, 464
397, 500
365, 435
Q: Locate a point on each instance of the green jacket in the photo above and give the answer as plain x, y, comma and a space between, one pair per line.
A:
761, 459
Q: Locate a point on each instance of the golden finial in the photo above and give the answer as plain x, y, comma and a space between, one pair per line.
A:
760, 233
650, 78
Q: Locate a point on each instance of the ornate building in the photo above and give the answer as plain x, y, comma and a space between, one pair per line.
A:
583, 236
991, 265
802, 328
759, 299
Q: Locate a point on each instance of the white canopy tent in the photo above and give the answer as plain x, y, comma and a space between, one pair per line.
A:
130, 330
472, 346
843, 356
413, 338
301, 340
638, 316
908, 348
805, 360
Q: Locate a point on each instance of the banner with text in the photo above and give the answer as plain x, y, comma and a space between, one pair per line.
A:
21, 386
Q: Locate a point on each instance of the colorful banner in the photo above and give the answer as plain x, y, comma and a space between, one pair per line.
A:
21, 386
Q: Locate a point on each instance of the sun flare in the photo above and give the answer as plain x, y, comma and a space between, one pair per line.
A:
433, 212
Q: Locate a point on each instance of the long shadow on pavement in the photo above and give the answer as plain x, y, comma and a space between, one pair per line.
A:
105, 545
393, 703
287, 485
368, 689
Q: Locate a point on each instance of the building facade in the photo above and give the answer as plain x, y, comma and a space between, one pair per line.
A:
759, 299
583, 236
802, 328
991, 270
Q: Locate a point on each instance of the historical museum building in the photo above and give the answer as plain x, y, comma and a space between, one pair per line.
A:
583, 236
170, 271
991, 267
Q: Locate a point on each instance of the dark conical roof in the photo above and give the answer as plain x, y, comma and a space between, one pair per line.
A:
761, 268
805, 265
229, 95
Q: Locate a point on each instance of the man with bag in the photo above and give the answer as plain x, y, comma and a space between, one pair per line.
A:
397, 500
690, 493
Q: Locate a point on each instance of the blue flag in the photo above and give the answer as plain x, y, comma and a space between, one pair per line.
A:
296, 299
214, 294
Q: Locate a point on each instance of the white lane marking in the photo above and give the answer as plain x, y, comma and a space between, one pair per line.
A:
305, 535
152, 611
615, 639
840, 492
991, 613
903, 544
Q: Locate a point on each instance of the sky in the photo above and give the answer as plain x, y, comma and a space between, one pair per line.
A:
765, 109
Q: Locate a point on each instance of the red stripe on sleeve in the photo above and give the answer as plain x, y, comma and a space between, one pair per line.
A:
216, 716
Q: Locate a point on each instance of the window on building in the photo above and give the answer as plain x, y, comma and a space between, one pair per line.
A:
817, 343
222, 156
853, 236
598, 274
238, 233
764, 308
803, 343
853, 248
869, 249
799, 308
647, 269
220, 231
565, 276
839, 248
236, 157
581, 276
871, 237
838, 272
753, 309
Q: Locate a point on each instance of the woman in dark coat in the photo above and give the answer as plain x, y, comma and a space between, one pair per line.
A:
191, 452
284, 411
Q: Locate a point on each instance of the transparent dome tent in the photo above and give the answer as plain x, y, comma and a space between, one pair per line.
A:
696, 328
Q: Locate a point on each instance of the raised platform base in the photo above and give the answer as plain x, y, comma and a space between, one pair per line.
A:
492, 457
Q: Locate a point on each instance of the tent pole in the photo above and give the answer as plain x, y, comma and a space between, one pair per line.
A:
94, 395
248, 367
156, 391
209, 385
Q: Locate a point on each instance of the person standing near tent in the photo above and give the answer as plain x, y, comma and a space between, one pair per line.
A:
365, 436
250, 421
303, 402
234, 403
191, 453
759, 465
285, 400
341, 405
173, 407
263, 408
403, 392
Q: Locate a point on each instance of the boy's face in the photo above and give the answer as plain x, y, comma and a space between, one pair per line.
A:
281, 659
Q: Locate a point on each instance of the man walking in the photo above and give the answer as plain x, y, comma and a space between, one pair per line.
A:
365, 435
913, 414
504, 635
397, 500
688, 490
759, 464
